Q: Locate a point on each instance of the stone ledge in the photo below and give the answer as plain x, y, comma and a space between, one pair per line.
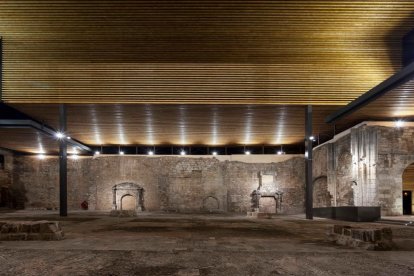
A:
366, 238
30, 230
259, 215
123, 213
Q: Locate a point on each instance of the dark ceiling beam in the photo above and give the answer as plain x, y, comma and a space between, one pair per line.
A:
401, 77
22, 123
1, 68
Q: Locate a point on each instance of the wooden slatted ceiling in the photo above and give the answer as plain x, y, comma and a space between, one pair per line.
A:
96, 124
205, 52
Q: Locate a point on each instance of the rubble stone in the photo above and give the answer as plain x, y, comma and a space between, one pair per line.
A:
30, 230
367, 238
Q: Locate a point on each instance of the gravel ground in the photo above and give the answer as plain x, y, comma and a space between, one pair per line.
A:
165, 244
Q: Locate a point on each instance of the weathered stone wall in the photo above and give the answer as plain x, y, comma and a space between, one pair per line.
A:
6, 170
364, 166
175, 184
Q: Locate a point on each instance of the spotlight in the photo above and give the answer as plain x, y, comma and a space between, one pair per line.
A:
97, 152
214, 152
247, 152
182, 152
59, 135
68, 138
399, 123
121, 152
150, 152
312, 138
41, 156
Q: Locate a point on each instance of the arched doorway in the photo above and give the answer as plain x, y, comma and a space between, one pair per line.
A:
128, 196
128, 202
408, 190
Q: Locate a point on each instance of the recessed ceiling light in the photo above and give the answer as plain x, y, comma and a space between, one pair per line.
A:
150, 152
97, 152
214, 153
59, 135
74, 156
41, 156
182, 152
247, 152
121, 153
399, 123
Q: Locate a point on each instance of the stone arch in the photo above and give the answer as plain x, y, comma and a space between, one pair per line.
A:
321, 195
343, 175
211, 204
392, 203
119, 191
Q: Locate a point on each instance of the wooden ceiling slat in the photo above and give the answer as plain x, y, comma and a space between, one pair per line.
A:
199, 52
96, 124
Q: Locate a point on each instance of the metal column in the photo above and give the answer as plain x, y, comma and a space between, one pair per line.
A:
308, 165
63, 179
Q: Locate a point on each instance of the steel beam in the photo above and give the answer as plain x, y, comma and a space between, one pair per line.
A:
63, 159
308, 164
20, 123
1, 69
392, 82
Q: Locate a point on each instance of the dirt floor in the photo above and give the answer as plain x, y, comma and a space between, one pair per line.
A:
189, 244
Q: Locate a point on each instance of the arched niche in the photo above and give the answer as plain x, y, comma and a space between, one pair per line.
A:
343, 175
126, 193
211, 204
321, 196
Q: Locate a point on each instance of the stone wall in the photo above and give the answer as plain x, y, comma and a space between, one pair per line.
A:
170, 183
6, 169
364, 165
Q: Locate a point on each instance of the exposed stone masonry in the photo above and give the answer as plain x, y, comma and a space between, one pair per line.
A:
172, 184
30, 230
364, 166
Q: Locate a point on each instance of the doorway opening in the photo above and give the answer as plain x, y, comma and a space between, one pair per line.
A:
128, 202
407, 190
407, 203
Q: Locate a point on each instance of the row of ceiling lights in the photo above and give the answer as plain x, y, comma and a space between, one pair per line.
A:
60, 135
